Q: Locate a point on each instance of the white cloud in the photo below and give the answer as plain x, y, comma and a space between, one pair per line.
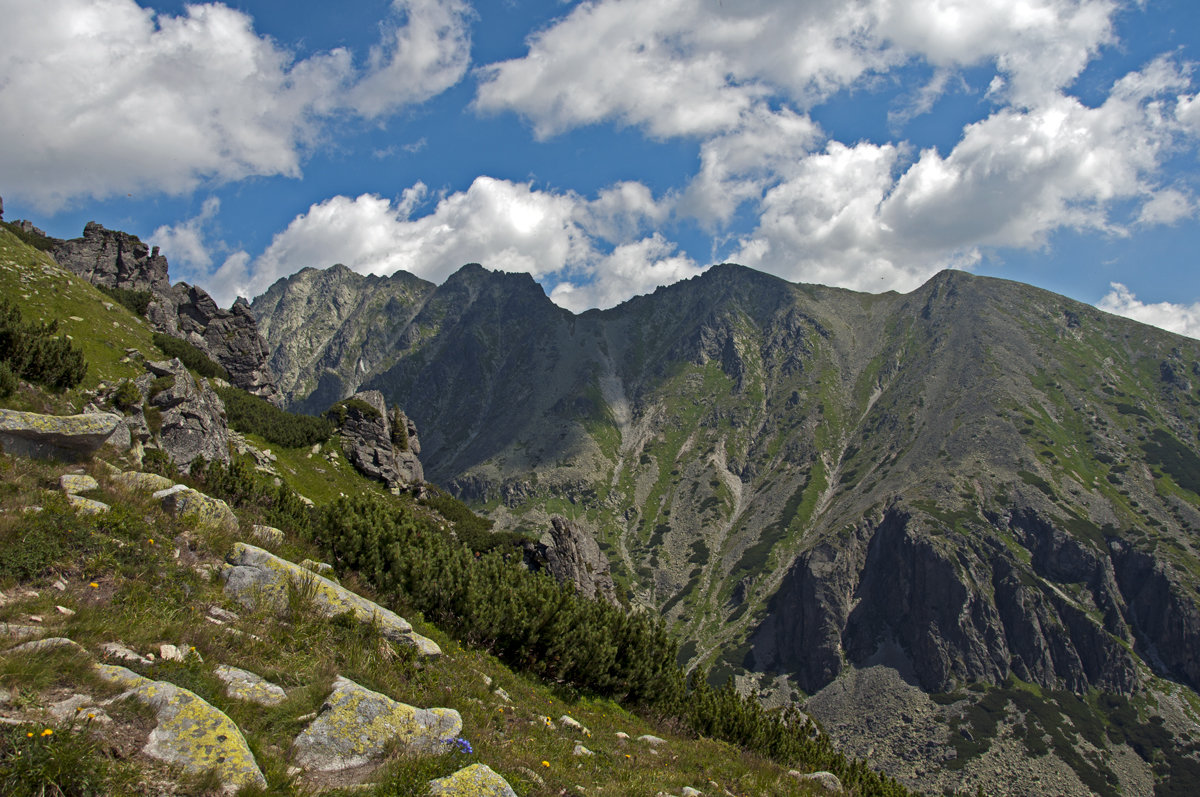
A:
1167, 207
184, 244
695, 67
1183, 319
503, 225
629, 270
860, 217
102, 97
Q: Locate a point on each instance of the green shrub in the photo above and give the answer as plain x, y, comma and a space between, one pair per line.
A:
153, 418
399, 430
39, 242
337, 413
161, 383
250, 414
190, 356
155, 460
127, 396
8, 381
137, 302
36, 353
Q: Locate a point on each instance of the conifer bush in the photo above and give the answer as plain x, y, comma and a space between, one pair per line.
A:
35, 352
251, 414
137, 302
190, 356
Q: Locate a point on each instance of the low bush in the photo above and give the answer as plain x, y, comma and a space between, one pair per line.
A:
137, 302
36, 353
250, 414
8, 381
190, 356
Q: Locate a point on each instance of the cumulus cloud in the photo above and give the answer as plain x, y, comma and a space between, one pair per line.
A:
695, 67
185, 243
102, 97
504, 225
1183, 319
860, 216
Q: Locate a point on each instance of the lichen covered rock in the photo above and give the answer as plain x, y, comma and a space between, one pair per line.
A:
477, 780
191, 733
142, 482
64, 437
208, 511
357, 727
193, 416
245, 685
258, 576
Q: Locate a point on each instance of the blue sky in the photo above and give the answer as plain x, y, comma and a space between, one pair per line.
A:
613, 146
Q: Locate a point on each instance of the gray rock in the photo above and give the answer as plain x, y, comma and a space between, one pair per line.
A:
357, 727
42, 645
80, 709
653, 741
267, 535
373, 445
191, 733
73, 483
826, 780
64, 437
256, 576
184, 501
113, 259
115, 651
245, 685
141, 482
193, 416
87, 506
573, 557
477, 780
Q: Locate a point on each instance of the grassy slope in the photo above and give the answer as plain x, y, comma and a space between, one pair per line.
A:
155, 578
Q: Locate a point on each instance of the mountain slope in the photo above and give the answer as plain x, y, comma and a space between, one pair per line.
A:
983, 480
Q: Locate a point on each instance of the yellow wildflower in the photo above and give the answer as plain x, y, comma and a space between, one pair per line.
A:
546, 764
48, 732
94, 585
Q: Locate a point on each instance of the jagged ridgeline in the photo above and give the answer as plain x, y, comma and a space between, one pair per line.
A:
978, 482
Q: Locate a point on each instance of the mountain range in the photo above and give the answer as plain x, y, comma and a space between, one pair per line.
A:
977, 484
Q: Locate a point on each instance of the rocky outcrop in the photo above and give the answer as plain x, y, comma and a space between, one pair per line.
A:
381, 443
357, 727
114, 259
65, 437
191, 733
229, 337
572, 556
193, 415
255, 576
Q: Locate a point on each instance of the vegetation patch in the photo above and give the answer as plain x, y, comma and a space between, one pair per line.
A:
137, 302
192, 357
250, 414
35, 352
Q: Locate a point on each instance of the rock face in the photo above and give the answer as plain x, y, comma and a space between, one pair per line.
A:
573, 557
356, 727
193, 416
67, 437
230, 337
114, 259
256, 576
381, 444
190, 734
895, 580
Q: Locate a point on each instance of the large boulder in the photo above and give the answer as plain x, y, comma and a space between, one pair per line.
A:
381, 444
193, 415
573, 557
191, 733
357, 727
255, 576
66, 437
477, 780
230, 337
183, 501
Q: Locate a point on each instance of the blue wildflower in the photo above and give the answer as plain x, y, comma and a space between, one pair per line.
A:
463, 744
